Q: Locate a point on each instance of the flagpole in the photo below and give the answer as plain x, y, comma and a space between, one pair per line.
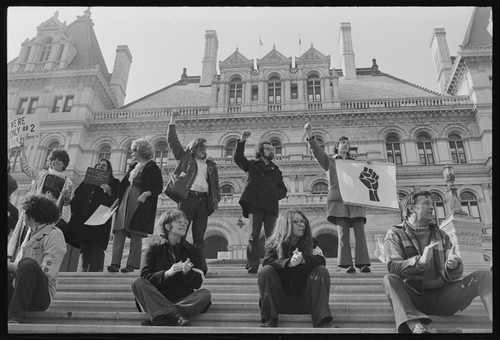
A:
300, 53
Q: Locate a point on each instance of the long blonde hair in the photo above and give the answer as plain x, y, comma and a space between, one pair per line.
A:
283, 231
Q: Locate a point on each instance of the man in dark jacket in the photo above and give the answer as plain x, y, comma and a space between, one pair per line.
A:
264, 187
425, 270
172, 270
194, 184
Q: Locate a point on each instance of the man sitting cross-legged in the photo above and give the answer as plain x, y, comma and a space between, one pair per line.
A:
172, 270
425, 271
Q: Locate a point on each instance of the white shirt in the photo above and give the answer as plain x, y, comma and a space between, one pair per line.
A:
201, 181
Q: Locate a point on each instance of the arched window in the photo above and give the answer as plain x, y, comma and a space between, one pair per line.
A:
274, 90
393, 150
457, 148
128, 161
424, 145
276, 143
52, 146
320, 188
161, 154
230, 148
45, 50
313, 89
439, 210
469, 204
235, 90
105, 152
226, 190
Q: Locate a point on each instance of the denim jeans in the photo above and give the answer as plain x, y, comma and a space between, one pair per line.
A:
92, 258
196, 210
31, 292
256, 217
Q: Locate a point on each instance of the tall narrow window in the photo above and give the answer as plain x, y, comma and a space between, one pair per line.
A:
23, 104
276, 143
68, 103
393, 150
255, 93
58, 101
313, 89
425, 153
45, 50
457, 149
230, 148
294, 91
161, 154
235, 90
33, 105
105, 152
438, 203
320, 188
469, 204
274, 90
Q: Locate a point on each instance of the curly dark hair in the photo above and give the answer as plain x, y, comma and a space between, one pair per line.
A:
60, 155
41, 208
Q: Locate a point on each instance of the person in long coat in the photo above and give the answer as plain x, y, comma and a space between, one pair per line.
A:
137, 200
93, 240
343, 215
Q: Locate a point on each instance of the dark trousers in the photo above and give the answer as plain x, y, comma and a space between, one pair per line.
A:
256, 217
31, 292
92, 257
314, 299
196, 209
154, 303
448, 300
344, 257
135, 251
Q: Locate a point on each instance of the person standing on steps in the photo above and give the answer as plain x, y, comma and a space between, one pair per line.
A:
343, 215
194, 184
137, 201
171, 276
264, 187
425, 271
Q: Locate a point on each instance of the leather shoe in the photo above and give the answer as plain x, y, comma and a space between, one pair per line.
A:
420, 329
15, 320
252, 270
365, 269
113, 268
127, 269
271, 322
350, 270
181, 321
328, 325
147, 322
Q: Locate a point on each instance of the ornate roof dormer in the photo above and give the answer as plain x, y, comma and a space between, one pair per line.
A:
236, 59
312, 55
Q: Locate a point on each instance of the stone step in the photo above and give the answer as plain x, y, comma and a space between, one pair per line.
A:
382, 306
372, 320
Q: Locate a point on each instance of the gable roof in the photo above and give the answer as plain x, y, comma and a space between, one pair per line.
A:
477, 34
89, 53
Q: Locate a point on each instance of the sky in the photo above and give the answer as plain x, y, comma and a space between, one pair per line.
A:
164, 40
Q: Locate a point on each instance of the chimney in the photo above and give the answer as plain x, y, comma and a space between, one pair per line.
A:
442, 58
209, 63
119, 77
347, 61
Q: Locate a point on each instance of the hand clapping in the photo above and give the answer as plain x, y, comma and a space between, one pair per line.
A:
297, 258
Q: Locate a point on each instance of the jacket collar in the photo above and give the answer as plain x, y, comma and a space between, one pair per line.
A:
39, 233
164, 242
263, 164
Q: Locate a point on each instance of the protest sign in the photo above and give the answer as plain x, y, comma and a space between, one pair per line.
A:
371, 185
24, 129
96, 176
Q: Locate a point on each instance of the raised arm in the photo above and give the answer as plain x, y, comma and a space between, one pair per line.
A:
239, 153
172, 139
316, 150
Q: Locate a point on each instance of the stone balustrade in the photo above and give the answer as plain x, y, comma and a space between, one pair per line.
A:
413, 102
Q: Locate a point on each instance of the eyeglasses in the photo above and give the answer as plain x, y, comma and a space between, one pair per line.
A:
299, 222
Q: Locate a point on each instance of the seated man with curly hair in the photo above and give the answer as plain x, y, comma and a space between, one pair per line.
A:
32, 275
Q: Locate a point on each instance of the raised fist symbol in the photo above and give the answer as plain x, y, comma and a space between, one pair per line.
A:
370, 179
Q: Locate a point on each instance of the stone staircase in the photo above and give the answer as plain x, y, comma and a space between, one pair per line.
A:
99, 303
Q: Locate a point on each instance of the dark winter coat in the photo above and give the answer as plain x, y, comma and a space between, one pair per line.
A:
185, 172
159, 259
87, 198
293, 280
144, 217
264, 185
